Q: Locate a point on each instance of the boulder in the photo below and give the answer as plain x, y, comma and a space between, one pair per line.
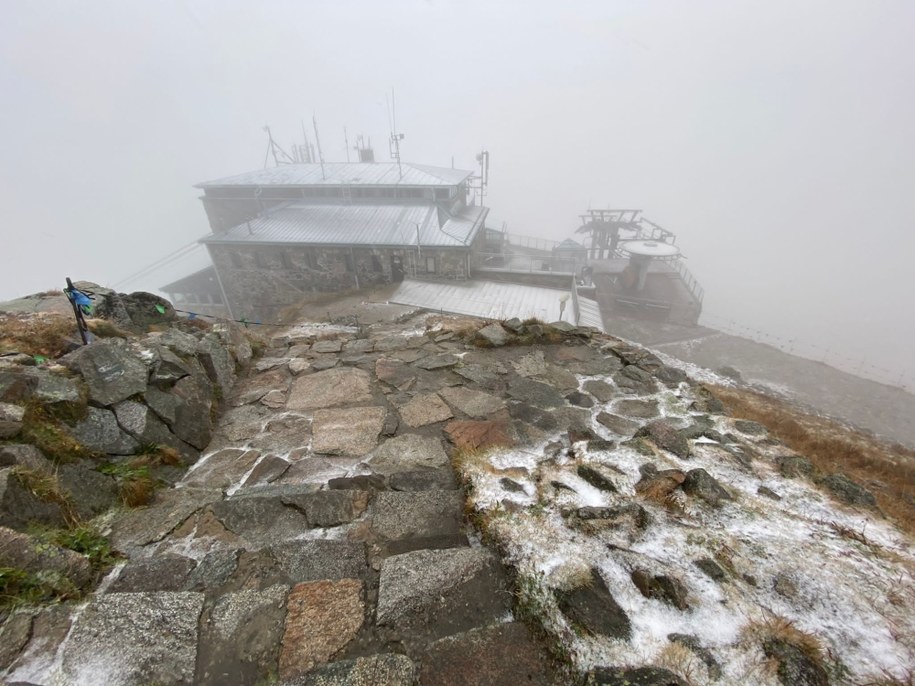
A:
178, 341
90, 491
594, 477
593, 608
21, 551
703, 653
666, 436
601, 390
700, 484
99, 431
217, 361
112, 370
643, 409
20, 506
16, 386
848, 491
167, 368
10, 420
493, 335
143, 424
661, 586
12, 454
711, 569
795, 667
792, 466
329, 508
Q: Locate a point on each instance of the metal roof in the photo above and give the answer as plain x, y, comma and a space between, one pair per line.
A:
202, 281
378, 225
345, 173
495, 300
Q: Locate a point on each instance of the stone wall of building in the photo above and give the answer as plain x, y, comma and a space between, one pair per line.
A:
260, 281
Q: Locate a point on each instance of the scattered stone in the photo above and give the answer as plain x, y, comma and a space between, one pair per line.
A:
670, 376
321, 618
666, 436
217, 361
406, 453
795, 667
593, 608
511, 485
500, 655
261, 517
595, 478
435, 593
240, 636
848, 491
324, 362
703, 653
347, 431
662, 587
388, 669
711, 569
425, 409
700, 484
493, 335
629, 519
785, 586
479, 374
112, 639
616, 424
274, 399
16, 386
767, 492
657, 485
346, 385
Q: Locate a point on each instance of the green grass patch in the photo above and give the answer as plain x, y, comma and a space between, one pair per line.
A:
19, 587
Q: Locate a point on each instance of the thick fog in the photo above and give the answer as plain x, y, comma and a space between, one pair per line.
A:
777, 139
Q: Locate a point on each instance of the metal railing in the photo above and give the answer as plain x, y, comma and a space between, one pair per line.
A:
576, 309
529, 242
509, 262
697, 291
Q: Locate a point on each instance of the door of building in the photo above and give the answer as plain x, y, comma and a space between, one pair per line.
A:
396, 268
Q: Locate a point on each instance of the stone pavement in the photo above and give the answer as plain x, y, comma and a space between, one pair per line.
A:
321, 538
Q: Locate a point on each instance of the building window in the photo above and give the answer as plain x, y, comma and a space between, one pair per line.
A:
442, 193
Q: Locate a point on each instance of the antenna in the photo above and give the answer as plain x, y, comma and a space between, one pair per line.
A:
314, 120
483, 187
346, 142
307, 151
280, 156
395, 137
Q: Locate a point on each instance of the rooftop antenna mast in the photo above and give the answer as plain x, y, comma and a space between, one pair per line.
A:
483, 187
307, 151
395, 137
280, 156
314, 120
346, 141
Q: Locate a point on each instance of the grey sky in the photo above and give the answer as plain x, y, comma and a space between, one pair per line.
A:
777, 139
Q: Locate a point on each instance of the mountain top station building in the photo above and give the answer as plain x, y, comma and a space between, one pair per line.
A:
281, 233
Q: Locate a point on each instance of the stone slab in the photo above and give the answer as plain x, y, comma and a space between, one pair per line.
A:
328, 388
347, 431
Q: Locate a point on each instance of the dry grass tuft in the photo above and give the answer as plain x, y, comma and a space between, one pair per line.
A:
779, 628
46, 488
683, 662
887, 679
106, 329
886, 469
43, 333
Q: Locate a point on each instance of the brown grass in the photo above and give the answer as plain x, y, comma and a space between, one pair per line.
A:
106, 329
46, 488
888, 470
43, 333
779, 628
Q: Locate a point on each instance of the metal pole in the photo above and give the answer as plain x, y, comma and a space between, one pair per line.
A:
80, 322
